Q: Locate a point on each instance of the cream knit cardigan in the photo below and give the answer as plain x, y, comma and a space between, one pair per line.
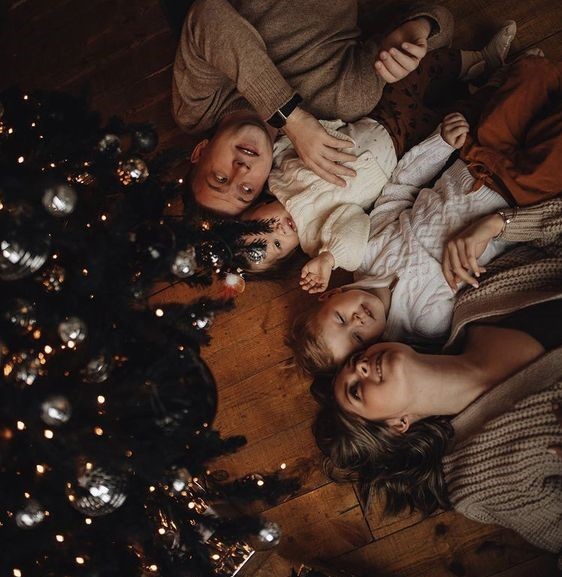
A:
497, 468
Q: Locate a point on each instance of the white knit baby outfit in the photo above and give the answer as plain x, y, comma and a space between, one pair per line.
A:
328, 217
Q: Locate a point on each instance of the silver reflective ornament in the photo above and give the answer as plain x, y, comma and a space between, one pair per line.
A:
55, 410
132, 171
269, 535
97, 370
52, 278
24, 368
96, 491
184, 263
72, 331
59, 199
21, 315
110, 145
31, 515
22, 257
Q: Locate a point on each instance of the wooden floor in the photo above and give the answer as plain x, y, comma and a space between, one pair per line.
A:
123, 51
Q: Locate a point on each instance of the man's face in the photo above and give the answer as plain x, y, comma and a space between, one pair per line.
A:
232, 167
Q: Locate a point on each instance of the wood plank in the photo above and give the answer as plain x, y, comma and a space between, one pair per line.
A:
542, 566
321, 524
442, 546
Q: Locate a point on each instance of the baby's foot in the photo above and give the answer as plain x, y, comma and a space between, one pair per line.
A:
495, 52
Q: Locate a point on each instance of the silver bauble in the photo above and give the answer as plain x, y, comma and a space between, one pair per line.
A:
184, 263
132, 171
55, 410
97, 370
52, 278
59, 199
269, 535
22, 257
96, 491
110, 145
73, 330
24, 368
20, 313
30, 515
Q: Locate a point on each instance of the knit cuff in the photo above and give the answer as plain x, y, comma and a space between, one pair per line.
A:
268, 92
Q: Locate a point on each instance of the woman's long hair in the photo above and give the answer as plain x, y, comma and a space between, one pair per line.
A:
404, 468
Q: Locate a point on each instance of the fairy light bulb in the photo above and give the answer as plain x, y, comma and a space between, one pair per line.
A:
20, 159
59, 538
159, 312
17, 573
80, 560
101, 399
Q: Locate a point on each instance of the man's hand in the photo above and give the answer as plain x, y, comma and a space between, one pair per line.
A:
461, 252
557, 410
454, 129
402, 50
317, 149
315, 274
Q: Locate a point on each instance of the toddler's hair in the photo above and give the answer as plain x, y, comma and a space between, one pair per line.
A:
310, 352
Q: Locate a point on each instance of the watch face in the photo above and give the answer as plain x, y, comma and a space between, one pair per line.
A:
279, 119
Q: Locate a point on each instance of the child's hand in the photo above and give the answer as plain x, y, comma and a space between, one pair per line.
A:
454, 129
315, 274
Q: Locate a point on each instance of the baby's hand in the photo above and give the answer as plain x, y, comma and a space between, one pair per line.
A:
454, 129
315, 274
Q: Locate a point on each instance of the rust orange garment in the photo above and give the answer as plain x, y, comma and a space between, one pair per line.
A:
516, 148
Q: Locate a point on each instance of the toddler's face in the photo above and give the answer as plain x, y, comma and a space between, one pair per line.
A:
283, 238
348, 320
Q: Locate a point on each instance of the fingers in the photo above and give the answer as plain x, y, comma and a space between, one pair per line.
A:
458, 263
405, 60
447, 272
417, 50
384, 73
394, 69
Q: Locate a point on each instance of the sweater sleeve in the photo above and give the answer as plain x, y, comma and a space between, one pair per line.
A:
541, 223
220, 58
442, 23
345, 234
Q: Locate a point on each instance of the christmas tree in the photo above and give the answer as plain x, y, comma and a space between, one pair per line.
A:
106, 405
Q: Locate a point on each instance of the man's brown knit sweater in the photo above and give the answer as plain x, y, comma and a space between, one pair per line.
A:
498, 469
246, 53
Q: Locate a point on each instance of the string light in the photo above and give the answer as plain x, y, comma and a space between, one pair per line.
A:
161, 531
59, 538
159, 312
260, 482
80, 560
101, 399
20, 159
10, 131
16, 572
98, 431
153, 567
20, 425
48, 434
283, 465
103, 217
48, 349
26, 495
152, 488
26, 97
180, 180
40, 469
88, 521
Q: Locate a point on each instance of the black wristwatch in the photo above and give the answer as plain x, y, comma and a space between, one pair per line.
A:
279, 118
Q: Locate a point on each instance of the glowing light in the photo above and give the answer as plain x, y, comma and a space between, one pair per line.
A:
152, 488
159, 312
59, 538
80, 560
25, 97
260, 482
36, 334
71, 344
20, 425
98, 431
191, 505
16, 572
48, 434
103, 217
180, 180
10, 131
40, 469
88, 521
55, 256
85, 271
283, 465
89, 466
153, 567
215, 557
52, 165
101, 399
48, 349
33, 125
20, 159
161, 531
26, 495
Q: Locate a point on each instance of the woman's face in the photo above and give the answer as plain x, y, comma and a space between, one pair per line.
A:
376, 383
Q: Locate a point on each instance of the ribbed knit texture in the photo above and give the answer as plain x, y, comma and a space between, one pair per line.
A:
265, 51
505, 475
332, 218
498, 469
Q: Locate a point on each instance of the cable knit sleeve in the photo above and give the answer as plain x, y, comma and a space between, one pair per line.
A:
541, 223
220, 58
345, 234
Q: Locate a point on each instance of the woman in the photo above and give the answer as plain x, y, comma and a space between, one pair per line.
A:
486, 454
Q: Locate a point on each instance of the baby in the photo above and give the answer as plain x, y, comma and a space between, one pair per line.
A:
400, 293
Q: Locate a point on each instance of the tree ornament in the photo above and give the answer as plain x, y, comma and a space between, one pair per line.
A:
82, 176
269, 535
20, 313
184, 263
59, 200
234, 284
145, 139
97, 491
212, 254
21, 253
52, 278
97, 370
72, 331
24, 368
30, 515
132, 171
203, 320
109, 145
56, 410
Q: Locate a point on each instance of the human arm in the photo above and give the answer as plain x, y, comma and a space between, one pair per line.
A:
540, 224
316, 273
